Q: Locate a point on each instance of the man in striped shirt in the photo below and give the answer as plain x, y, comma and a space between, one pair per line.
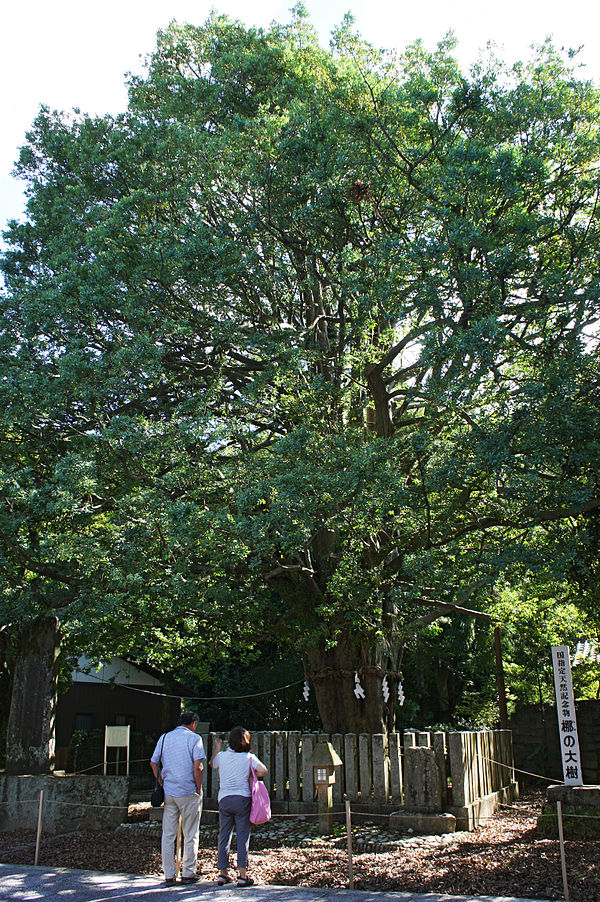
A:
181, 755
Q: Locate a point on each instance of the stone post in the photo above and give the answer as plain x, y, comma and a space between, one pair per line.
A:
293, 765
364, 766
337, 741
439, 747
456, 753
422, 784
280, 762
395, 768
268, 759
207, 767
380, 771
351, 766
308, 784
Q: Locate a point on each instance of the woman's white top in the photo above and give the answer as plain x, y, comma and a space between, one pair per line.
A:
234, 771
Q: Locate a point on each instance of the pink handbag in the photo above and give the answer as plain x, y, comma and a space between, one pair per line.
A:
260, 809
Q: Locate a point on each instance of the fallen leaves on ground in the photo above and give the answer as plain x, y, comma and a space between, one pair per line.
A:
505, 857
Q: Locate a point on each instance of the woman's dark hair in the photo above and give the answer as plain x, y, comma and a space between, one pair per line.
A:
239, 740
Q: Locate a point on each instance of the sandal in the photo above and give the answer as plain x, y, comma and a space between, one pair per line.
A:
245, 881
221, 880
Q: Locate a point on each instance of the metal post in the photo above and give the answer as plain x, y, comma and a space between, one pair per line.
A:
39, 827
563, 860
349, 843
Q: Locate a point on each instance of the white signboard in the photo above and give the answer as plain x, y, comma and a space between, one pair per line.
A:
567, 723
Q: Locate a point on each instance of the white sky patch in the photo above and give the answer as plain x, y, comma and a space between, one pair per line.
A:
72, 54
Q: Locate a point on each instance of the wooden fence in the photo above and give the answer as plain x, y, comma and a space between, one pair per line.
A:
472, 765
481, 764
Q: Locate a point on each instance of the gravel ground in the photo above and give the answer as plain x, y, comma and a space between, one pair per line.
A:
504, 857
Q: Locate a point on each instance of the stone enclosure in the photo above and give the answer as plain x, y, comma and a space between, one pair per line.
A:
580, 811
70, 802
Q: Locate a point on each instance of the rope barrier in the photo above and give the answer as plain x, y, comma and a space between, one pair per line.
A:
77, 773
589, 817
22, 802
521, 771
368, 814
273, 816
297, 816
198, 698
525, 813
110, 764
81, 804
60, 802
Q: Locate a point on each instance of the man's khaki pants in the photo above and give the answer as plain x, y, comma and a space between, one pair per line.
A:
189, 808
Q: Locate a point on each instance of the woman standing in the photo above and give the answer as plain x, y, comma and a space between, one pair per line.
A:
235, 799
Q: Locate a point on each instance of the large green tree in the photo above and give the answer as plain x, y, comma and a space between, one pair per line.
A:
310, 336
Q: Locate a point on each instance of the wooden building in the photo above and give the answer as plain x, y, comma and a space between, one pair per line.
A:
117, 693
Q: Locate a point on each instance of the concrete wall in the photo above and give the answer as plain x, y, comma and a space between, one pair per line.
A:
70, 803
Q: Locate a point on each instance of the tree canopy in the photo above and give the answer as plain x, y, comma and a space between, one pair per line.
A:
302, 345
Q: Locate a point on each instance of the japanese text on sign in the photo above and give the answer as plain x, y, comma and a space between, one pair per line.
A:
567, 722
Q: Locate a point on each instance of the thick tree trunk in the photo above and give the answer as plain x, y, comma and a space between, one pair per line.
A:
332, 669
30, 734
332, 674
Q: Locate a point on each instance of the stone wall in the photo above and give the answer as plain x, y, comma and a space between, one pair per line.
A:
536, 741
70, 803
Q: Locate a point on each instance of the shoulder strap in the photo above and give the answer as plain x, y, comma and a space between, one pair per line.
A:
252, 775
161, 750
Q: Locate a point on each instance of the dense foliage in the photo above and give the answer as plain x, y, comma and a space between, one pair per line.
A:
300, 346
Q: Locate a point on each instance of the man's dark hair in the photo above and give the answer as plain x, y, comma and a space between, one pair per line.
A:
188, 718
239, 740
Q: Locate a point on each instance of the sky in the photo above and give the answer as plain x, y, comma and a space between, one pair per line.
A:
72, 53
